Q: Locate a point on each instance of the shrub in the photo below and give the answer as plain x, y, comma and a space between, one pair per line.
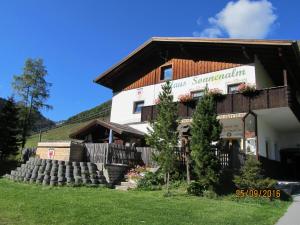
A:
251, 176
151, 181
195, 188
210, 194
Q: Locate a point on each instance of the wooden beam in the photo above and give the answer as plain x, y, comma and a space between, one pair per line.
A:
285, 78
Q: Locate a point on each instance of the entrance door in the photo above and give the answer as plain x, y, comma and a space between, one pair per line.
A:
233, 147
290, 159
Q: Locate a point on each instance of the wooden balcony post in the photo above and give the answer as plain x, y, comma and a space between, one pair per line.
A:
285, 78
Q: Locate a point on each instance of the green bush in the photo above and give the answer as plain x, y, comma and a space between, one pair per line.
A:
196, 188
210, 194
151, 181
251, 176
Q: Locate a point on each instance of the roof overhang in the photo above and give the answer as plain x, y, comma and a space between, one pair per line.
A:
155, 45
117, 128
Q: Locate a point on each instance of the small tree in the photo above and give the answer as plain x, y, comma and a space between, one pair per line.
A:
163, 136
251, 176
9, 129
33, 90
205, 130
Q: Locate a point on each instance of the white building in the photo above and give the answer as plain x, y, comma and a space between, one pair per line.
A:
192, 64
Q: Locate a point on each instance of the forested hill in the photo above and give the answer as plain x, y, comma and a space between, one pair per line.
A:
40, 121
103, 109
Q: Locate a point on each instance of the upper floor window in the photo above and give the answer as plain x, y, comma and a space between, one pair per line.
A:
233, 88
197, 94
137, 106
166, 73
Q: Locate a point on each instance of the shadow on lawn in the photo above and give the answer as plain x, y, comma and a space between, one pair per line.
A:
7, 165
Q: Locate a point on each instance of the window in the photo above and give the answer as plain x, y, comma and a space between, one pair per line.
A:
232, 88
166, 73
197, 94
137, 106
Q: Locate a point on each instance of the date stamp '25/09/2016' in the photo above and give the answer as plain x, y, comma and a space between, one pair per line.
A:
256, 193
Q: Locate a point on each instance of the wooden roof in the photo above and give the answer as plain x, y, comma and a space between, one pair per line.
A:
117, 128
270, 52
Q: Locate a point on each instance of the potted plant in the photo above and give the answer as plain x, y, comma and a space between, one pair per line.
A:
247, 89
216, 93
184, 98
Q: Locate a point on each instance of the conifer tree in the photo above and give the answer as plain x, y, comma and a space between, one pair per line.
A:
33, 90
9, 129
163, 136
251, 176
205, 130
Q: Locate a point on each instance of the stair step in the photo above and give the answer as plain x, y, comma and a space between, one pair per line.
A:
128, 184
121, 188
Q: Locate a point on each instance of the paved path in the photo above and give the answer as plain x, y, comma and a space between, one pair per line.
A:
292, 216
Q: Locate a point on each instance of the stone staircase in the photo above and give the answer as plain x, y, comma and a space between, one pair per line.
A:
125, 186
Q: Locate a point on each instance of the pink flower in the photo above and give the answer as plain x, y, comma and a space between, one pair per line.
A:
185, 97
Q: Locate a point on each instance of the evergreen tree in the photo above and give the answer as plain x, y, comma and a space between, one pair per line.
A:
9, 129
163, 136
33, 90
251, 176
205, 130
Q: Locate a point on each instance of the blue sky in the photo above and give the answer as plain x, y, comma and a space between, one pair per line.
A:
80, 39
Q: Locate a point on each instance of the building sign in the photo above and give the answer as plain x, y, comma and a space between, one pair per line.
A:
232, 128
51, 153
139, 93
223, 76
231, 116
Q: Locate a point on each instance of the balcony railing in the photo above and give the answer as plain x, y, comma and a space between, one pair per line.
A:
276, 97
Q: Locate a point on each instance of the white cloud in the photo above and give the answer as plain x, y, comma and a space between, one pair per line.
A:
241, 19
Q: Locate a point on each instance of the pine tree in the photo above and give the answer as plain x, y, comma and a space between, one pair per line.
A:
9, 129
205, 130
33, 90
251, 176
163, 136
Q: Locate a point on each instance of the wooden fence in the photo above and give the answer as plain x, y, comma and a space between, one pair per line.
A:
96, 153
120, 154
110, 154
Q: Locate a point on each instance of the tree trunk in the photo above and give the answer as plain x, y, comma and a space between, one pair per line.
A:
188, 175
26, 123
187, 160
168, 182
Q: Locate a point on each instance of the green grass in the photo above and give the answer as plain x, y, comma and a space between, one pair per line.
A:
56, 134
32, 204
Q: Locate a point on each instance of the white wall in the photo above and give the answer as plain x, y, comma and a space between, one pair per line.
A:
262, 78
122, 103
267, 133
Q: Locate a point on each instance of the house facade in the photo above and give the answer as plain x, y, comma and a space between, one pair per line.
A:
266, 124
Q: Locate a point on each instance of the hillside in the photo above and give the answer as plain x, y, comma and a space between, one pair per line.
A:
40, 121
103, 108
62, 131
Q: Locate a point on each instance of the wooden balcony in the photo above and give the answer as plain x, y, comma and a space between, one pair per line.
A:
276, 97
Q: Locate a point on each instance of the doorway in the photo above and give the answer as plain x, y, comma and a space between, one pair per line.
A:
290, 159
233, 147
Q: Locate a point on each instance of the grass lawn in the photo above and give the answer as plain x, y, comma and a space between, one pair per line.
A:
32, 204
